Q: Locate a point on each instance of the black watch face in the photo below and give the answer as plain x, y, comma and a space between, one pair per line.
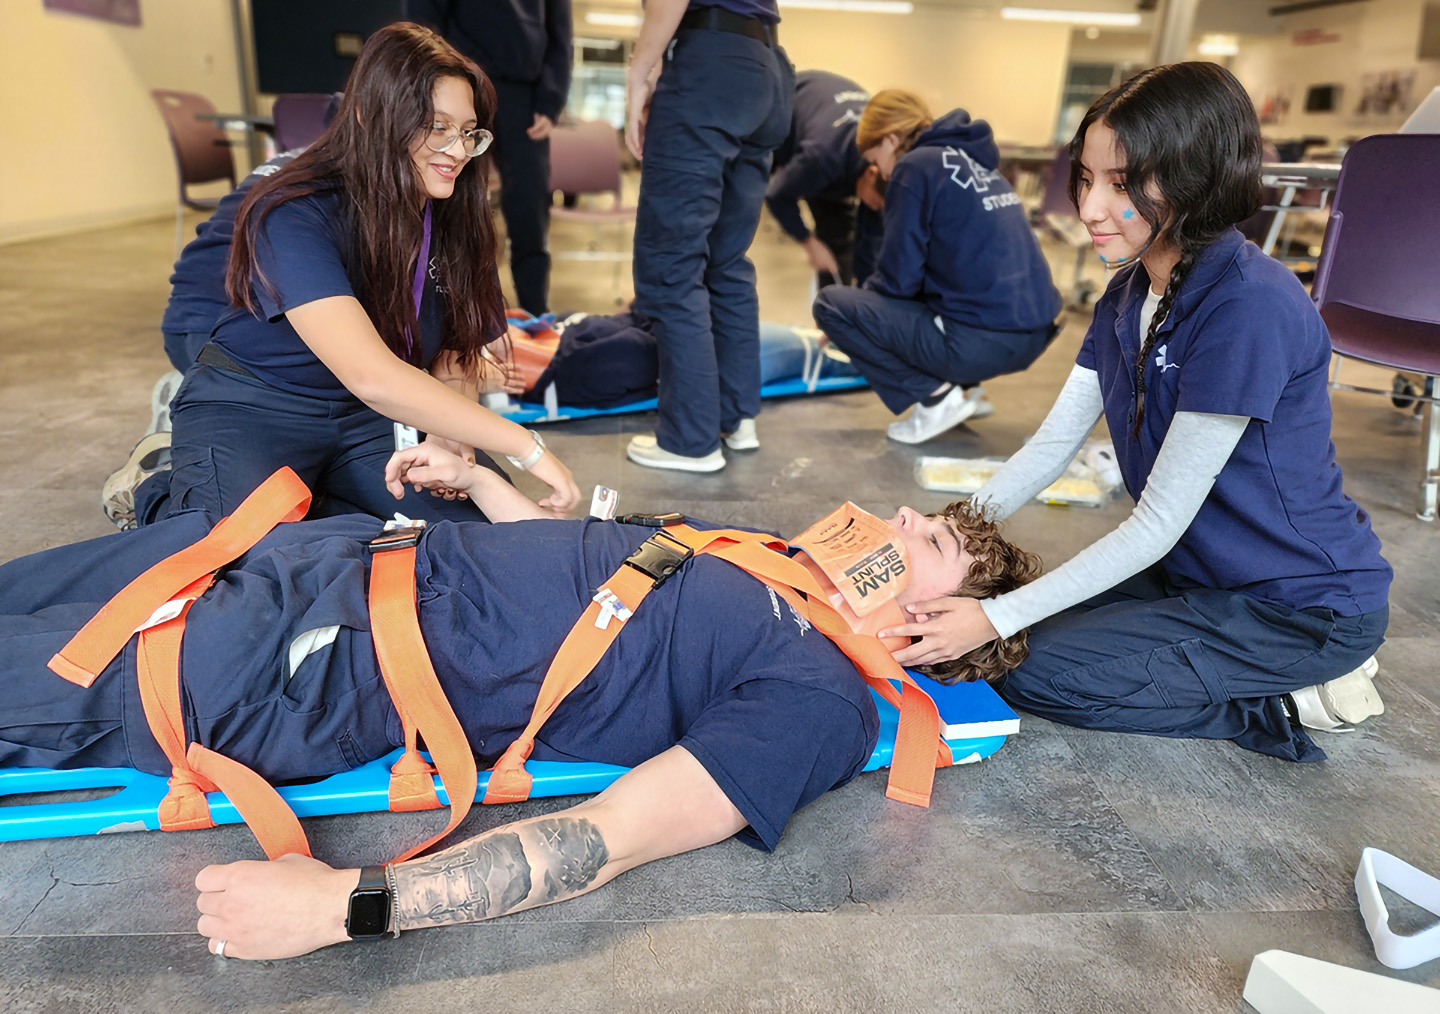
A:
369, 914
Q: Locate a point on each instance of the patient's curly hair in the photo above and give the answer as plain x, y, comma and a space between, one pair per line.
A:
999, 567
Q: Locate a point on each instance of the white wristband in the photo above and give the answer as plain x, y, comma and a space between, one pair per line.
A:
528, 462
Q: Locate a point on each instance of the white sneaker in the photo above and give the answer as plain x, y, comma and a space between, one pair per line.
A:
643, 450
117, 496
1350, 698
984, 407
1353, 697
744, 438
924, 424
160, 396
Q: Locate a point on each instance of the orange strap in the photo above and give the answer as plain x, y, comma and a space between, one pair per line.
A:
418, 697
182, 578
282, 497
919, 748
579, 653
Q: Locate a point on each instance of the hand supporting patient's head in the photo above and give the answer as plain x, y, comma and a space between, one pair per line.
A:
997, 566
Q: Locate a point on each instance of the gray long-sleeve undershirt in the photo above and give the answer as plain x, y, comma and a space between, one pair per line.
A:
1195, 449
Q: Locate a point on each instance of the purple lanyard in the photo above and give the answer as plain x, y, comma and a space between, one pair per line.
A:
420, 267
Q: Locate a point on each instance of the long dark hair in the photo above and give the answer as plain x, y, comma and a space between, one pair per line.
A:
365, 155
1191, 131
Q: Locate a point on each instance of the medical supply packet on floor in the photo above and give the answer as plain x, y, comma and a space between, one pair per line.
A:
1080, 485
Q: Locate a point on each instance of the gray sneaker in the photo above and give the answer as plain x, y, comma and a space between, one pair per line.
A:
160, 396
117, 496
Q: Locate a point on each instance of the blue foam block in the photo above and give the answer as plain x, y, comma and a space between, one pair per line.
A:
527, 413
976, 723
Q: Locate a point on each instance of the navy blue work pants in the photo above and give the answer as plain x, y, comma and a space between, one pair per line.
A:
721, 106
332, 714
524, 166
906, 351
230, 432
1147, 657
835, 227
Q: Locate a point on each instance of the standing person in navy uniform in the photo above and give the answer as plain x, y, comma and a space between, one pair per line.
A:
364, 288
1246, 595
820, 165
961, 292
524, 47
710, 92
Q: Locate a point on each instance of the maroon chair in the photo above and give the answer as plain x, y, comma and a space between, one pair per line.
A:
299, 119
585, 160
202, 151
1377, 283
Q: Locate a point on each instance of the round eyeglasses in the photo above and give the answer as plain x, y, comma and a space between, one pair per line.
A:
442, 137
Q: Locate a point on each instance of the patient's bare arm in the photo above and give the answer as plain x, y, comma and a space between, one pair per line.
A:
667, 805
512, 868
294, 905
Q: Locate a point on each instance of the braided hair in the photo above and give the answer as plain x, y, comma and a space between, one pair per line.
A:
1192, 148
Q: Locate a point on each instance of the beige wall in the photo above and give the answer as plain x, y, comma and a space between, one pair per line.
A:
1009, 73
83, 144
1375, 37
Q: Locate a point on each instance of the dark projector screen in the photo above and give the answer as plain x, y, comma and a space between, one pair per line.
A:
310, 46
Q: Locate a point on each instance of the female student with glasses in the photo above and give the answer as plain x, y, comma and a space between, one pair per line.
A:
363, 295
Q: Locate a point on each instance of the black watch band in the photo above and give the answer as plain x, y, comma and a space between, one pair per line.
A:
370, 905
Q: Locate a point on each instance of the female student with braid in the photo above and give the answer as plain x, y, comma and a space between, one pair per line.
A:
1246, 594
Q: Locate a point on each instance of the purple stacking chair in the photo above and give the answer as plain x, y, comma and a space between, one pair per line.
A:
585, 159
1057, 217
202, 151
299, 119
1378, 281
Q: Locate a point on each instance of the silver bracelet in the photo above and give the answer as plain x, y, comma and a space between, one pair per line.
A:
528, 462
392, 882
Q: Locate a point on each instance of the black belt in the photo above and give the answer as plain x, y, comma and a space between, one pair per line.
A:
214, 355
722, 20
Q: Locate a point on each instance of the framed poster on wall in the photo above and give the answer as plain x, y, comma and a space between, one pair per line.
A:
119, 12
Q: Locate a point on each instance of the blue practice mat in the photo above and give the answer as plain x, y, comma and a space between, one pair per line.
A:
976, 723
528, 413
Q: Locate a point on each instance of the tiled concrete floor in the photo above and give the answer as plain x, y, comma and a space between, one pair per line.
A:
1071, 872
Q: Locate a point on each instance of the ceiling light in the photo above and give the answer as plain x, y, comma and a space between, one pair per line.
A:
1108, 18
855, 6
612, 20
1218, 45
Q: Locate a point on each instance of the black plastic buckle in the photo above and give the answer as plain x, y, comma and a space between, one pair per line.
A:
403, 537
658, 561
653, 520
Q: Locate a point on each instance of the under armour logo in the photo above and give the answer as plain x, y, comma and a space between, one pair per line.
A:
966, 172
1160, 359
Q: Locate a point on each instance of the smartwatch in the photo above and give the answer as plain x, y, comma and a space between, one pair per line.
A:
370, 904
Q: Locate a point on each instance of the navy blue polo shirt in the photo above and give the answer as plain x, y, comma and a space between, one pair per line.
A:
1243, 338
303, 250
711, 660
761, 10
197, 288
